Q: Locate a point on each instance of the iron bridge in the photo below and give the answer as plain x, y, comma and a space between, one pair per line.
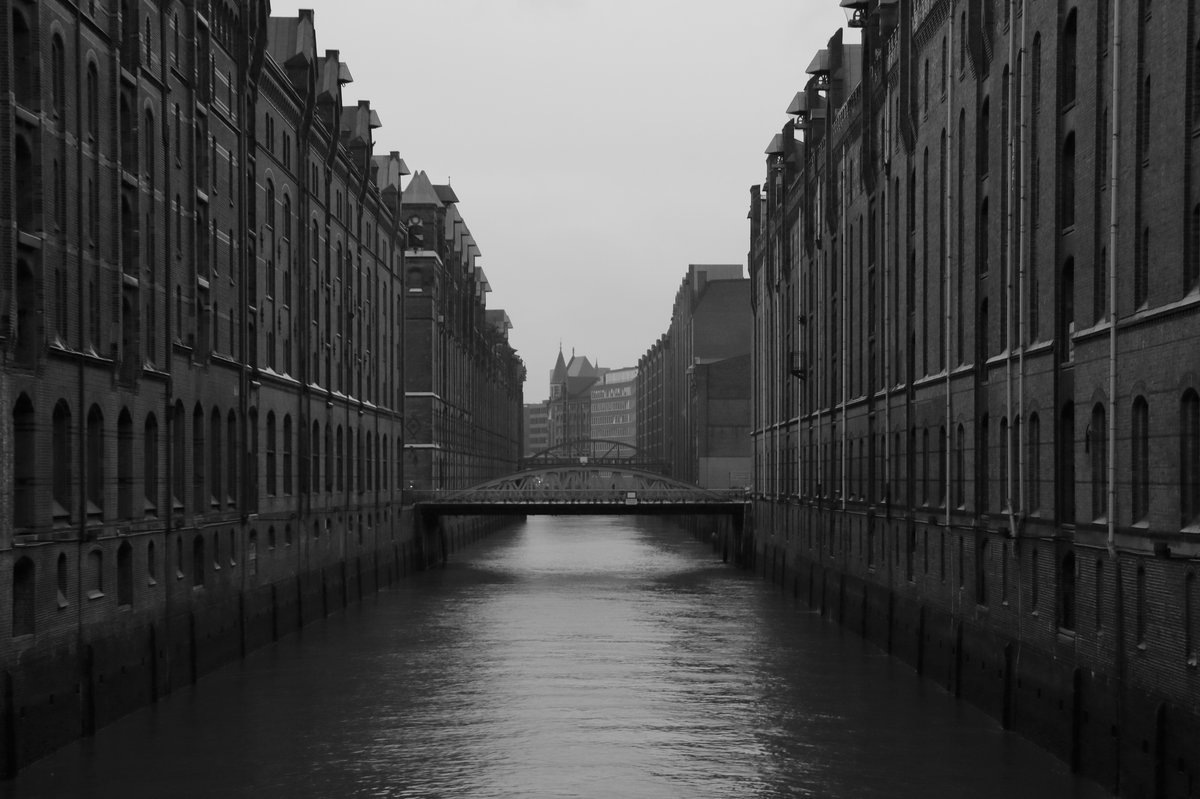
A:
583, 490
593, 452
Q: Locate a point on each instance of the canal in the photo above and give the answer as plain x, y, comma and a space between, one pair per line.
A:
565, 657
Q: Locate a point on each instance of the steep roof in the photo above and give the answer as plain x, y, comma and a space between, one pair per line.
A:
420, 191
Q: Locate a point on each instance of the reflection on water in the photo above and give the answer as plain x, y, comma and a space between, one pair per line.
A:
568, 657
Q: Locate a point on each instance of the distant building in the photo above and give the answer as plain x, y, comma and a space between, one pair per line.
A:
614, 406
463, 382
570, 403
693, 386
537, 434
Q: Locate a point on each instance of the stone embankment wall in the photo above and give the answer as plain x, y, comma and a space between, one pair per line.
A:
60, 687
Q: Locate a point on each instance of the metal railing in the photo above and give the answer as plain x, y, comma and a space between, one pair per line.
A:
582, 496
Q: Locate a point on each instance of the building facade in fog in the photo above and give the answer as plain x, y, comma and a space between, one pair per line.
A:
614, 407
693, 385
463, 382
569, 408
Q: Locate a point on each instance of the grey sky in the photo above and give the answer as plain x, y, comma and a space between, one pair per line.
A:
597, 146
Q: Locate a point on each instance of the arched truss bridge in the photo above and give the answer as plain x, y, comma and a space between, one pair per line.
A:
593, 452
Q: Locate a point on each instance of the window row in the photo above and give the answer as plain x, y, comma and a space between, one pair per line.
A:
939, 464
215, 467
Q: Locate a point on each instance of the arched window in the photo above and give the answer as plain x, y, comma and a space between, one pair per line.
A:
24, 463
960, 467
252, 553
369, 461
1097, 443
1067, 195
95, 461
1069, 59
271, 453
216, 483
231, 458
150, 465
92, 91
1140, 460
125, 574
1066, 463
28, 184
179, 437
151, 564
125, 488
287, 454
329, 458
28, 309
95, 574
1066, 592
1189, 458
58, 77
24, 63
24, 597
341, 453
314, 480
199, 494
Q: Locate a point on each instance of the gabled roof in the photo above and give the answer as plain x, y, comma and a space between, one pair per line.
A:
356, 123
446, 194
329, 84
559, 375
420, 191
292, 40
388, 170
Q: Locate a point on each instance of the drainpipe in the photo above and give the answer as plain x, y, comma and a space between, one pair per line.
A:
845, 291
949, 192
1113, 229
1022, 245
887, 343
1013, 255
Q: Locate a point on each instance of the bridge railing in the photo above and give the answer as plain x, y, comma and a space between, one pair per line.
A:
583, 496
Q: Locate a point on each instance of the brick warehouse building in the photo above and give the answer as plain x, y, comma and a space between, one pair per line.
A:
463, 382
201, 304
693, 384
975, 264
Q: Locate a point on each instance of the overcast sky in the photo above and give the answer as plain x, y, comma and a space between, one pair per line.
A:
597, 147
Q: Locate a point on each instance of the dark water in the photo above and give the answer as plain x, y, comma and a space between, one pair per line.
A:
570, 657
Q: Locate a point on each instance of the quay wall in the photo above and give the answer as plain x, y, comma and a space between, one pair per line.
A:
1115, 708
108, 659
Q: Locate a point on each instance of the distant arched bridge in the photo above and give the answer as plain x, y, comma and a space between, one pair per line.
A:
593, 452
580, 489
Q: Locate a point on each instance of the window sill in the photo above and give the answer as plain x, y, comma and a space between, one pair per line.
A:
94, 594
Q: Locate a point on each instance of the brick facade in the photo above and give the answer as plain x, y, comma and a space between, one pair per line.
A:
201, 307
942, 399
